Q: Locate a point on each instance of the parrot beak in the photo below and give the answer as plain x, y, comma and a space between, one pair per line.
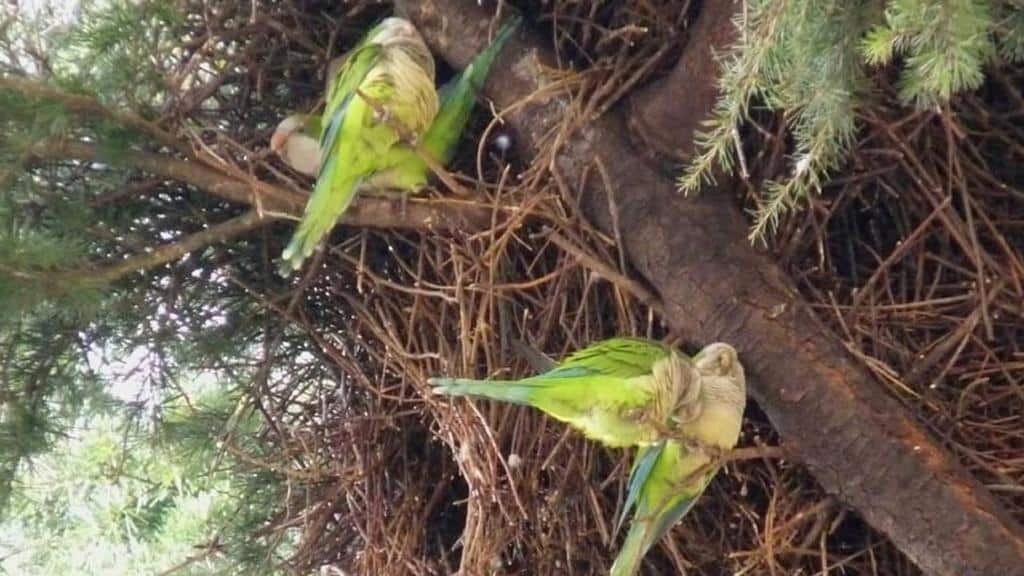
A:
284, 131
278, 140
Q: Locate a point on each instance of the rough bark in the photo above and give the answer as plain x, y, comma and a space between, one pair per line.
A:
849, 433
658, 118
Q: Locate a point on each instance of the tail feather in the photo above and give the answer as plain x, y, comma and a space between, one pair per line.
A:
302, 244
481, 65
504, 390
632, 552
458, 98
646, 458
322, 212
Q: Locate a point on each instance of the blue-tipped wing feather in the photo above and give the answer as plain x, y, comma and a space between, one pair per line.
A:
513, 392
646, 457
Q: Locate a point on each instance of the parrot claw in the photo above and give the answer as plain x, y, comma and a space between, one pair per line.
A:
382, 114
712, 452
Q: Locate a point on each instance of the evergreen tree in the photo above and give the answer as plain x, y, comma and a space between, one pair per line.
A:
115, 299
810, 60
159, 391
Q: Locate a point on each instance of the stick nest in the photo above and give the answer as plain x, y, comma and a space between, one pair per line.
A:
913, 254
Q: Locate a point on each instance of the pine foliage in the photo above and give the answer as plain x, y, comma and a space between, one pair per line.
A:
143, 482
810, 60
136, 506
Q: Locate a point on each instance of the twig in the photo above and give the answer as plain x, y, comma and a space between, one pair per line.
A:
591, 262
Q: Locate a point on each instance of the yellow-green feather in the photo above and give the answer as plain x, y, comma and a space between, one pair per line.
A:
663, 492
457, 101
356, 140
600, 390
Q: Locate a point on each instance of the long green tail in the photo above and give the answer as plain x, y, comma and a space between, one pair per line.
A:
458, 98
632, 552
322, 211
646, 531
504, 390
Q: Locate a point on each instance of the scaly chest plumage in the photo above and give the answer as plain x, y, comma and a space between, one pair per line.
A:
718, 425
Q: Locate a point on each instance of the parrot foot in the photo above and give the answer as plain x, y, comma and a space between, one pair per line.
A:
395, 196
698, 446
382, 115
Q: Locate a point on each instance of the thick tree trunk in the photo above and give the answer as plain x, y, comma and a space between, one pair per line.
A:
661, 121
856, 440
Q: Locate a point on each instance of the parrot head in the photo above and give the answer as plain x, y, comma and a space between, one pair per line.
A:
720, 368
298, 149
400, 35
395, 30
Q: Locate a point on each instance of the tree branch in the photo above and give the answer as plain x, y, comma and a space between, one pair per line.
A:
84, 105
850, 434
366, 211
653, 108
169, 252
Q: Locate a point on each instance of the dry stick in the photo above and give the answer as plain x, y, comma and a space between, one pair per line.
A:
956, 174
216, 234
367, 211
909, 242
613, 209
376, 212
588, 260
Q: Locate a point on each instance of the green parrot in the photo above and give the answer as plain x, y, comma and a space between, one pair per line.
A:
458, 99
620, 392
385, 86
663, 486
296, 138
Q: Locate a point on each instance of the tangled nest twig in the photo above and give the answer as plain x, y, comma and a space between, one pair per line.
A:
389, 479
915, 257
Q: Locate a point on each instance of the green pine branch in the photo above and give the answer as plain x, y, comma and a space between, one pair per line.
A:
809, 59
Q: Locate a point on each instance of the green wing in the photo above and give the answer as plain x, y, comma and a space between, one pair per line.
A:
646, 458
341, 123
345, 72
592, 389
619, 357
457, 101
352, 73
667, 492
599, 390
